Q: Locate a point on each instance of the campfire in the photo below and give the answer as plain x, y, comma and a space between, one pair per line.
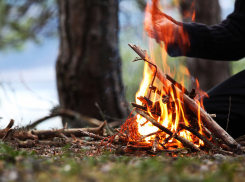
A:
169, 117
166, 118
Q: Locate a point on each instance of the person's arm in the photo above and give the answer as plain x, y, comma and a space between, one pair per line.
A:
225, 41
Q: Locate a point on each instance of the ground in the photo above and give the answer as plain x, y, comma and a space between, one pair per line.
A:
65, 164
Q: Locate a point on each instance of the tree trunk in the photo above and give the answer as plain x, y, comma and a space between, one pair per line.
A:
89, 65
209, 73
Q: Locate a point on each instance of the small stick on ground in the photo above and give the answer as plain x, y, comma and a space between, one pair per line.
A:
36, 143
92, 135
45, 134
7, 134
8, 129
108, 128
10, 125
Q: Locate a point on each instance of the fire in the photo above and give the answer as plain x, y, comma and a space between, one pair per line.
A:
172, 112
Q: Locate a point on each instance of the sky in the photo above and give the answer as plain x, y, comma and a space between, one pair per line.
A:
27, 77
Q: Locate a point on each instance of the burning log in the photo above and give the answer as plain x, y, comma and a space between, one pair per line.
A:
205, 118
184, 141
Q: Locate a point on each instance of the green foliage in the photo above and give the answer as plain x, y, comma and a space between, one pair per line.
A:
26, 20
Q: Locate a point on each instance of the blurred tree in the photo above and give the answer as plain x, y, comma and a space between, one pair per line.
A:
89, 65
209, 73
26, 20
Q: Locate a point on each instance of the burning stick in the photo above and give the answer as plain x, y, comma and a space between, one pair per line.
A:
154, 133
206, 119
184, 141
203, 138
166, 140
178, 85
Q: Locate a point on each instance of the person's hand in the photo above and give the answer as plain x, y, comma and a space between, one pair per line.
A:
163, 27
163, 30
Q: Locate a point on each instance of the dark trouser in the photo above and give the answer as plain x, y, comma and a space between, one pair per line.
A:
218, 103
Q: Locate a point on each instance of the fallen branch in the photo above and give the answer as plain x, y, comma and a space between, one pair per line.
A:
69, 114
46, 134
36, 143
91, 135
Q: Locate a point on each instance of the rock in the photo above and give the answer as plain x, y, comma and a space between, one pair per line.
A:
219, 157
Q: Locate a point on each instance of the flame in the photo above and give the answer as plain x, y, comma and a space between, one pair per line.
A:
171, 113
192, 13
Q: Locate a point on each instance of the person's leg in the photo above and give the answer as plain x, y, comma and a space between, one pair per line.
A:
218, 103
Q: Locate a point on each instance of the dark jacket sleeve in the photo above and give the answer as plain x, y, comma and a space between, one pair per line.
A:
225, 41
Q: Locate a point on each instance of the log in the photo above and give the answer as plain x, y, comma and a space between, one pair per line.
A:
184, 141
205, 118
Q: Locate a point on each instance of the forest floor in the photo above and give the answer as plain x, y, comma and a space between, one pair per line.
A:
66, 164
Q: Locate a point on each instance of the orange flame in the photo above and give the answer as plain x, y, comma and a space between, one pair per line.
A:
173, 112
